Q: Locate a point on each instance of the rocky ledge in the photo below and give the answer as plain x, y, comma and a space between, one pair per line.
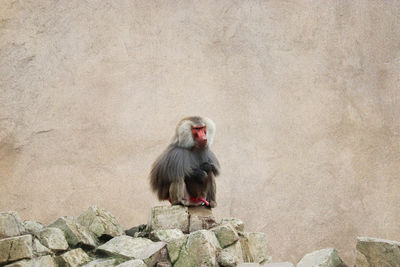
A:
174, 236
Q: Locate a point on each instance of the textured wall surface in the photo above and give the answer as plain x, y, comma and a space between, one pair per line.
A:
305, 95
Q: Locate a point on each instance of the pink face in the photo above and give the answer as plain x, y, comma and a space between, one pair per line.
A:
199, 134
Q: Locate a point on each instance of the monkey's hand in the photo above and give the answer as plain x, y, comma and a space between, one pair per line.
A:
207, 167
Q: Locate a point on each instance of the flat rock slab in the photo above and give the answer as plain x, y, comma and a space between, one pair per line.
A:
322, 258
127, 247
377, 252
15, 248
33, 227
75, 233
53, 238
39, 249
231, 256
169, 217
100, 222
254, 246
225, 234
10, 224
44, 261
73, 258
236, 223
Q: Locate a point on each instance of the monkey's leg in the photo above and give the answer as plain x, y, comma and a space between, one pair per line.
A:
211, 194
177, 193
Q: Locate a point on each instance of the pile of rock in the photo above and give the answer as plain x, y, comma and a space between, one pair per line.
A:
174, 236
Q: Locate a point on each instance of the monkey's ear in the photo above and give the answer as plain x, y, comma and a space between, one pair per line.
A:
184, 134
210, 130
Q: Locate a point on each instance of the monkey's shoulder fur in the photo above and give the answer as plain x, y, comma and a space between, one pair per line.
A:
176, 163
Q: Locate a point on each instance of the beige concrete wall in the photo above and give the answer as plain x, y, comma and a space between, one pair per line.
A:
305, 95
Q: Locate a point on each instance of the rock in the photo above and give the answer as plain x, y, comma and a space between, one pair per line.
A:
33, 228
39, 249
174, 247
15, 248
225, 234
53, 238
278, 264
132, 263
200, 218
169, 217
377, 252
137, 231
101, 263
322, 258
72, 258
254, 246
166, 235
236, 223
10, 224
200, 250
125, 246
100, 222
75, 233
231, 255
45, 261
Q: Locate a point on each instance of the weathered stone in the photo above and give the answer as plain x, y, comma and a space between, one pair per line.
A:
156, 255
236, 223
200, 250
39, 249
15, 248
101, 263
169, 217
231, 255
53, 238
175, 246
10, 224
254, 246
377, 252
200, 218
75, 233
132, 263
166, 235
125, 247
278, 264
32, 227
45, 261
322, 258
72, 258
100, 222
225, 234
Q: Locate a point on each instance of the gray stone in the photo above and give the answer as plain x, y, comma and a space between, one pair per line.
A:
278, 264
39, 249
200, 250
101, 263
236, 223
10, 224
322, 258
169, 217
32, 227
72, 258
44, 261
166, 235
125, 247
75, 233
377, 252
200, 218
175, 246
254, 246
225, 234
15, 248
231, 255
132, 263
100, 222
53, 238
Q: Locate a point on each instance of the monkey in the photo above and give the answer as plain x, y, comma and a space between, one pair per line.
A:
185, 172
